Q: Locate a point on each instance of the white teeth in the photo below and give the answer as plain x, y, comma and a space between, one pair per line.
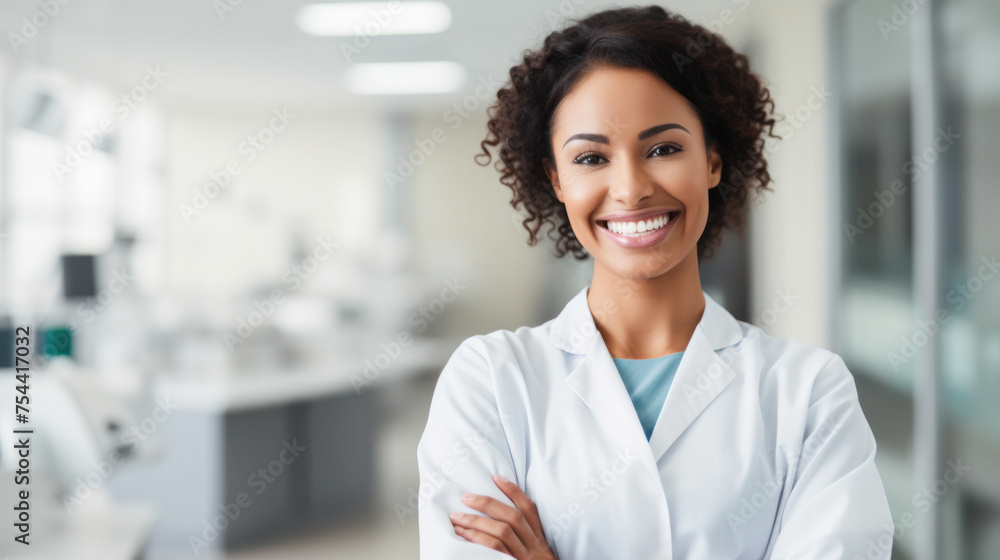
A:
639, 227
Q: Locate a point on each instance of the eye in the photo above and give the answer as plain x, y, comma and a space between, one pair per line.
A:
656, 149
588, 159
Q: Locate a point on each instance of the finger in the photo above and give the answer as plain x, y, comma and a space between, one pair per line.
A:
502, 512
479, 537
524, 504
495, 528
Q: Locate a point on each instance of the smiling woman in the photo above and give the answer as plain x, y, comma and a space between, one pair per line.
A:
644, 421
706, 81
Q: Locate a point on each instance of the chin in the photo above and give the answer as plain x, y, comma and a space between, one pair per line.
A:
649, 264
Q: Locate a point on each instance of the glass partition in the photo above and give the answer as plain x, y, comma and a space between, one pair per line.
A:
877, 328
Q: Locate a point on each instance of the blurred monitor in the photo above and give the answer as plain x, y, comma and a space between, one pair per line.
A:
78, 276
6, 344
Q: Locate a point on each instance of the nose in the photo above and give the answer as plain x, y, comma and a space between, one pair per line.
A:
630, 184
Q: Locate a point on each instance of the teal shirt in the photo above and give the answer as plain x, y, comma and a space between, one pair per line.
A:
647, 382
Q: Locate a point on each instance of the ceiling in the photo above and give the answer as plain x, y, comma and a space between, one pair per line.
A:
255, 55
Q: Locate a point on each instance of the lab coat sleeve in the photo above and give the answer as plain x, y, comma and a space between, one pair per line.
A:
463, 445
837, 507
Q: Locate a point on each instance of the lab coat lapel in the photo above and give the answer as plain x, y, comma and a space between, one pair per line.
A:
700, 376
597, 381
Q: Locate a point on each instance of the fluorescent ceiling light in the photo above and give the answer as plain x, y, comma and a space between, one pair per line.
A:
347, 19
405, 77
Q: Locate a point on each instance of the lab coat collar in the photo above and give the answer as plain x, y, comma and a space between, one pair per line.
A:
700, 376
574, 330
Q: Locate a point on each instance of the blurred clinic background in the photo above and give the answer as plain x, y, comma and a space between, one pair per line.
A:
246, 236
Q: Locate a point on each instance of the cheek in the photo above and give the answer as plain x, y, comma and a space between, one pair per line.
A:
688, 185
582, 197
683, 178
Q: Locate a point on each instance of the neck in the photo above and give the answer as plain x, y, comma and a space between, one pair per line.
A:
643, 318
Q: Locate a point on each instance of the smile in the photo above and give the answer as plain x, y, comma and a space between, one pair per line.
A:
639, 233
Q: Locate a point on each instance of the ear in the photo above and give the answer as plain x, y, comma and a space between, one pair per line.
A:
714, 167
553, 175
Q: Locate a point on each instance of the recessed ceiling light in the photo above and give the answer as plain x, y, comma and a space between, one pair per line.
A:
347, 19
405, 77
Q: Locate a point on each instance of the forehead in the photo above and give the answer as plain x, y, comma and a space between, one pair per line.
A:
610, 99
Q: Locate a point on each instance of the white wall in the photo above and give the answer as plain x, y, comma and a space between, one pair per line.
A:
791, 229
319, 175
463, 208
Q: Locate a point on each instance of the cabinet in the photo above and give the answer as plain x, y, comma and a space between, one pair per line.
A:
229, 477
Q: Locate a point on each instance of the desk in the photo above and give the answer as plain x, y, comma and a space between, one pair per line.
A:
247, 458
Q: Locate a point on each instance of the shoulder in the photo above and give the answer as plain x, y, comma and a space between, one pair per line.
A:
784, 352
791, 365
503, 344
479, 384
805, 392
502, 360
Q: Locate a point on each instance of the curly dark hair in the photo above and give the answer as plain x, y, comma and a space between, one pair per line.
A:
731, 101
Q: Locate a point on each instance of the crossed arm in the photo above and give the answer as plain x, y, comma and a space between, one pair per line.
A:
515, 531
463, 450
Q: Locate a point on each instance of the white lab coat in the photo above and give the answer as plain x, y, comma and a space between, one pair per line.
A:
761, 449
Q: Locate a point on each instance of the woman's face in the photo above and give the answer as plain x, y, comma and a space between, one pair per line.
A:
632, 169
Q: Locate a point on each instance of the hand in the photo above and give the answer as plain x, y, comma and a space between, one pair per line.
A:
515, 532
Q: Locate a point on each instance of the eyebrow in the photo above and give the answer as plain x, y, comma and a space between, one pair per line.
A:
602, 139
